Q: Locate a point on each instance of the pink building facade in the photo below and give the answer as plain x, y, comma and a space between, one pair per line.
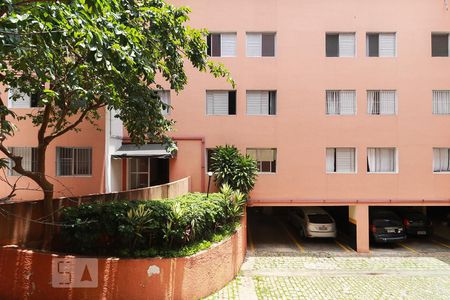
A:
342, 103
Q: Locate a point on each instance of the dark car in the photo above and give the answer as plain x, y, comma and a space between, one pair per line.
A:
386, 226
415, 222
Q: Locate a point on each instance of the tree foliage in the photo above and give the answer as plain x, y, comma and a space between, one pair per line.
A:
232, 168
82, 56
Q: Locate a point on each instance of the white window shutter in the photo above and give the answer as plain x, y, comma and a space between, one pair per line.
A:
228, 44
347, 102
264, 103
253, 103
345, 160
23, 100
387, 45
217, 103
209, 103
387, 102
347, 45
254, 44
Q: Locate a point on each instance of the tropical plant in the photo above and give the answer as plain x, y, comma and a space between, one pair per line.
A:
150, 228
141, 221
232, 168
81, 57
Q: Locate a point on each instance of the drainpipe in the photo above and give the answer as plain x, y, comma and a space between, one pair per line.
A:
201, 139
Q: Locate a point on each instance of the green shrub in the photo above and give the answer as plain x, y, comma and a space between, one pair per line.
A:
169, 227
232, 168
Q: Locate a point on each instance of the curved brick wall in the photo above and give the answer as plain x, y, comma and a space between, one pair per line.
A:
26, 274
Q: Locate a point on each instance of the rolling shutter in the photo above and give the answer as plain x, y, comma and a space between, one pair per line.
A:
254, 44
347, 45
257, 103
387, 44
228, 44
345, 160
347, 102
217, 103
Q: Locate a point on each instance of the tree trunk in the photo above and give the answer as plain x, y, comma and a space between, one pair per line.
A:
49, 228
48, 190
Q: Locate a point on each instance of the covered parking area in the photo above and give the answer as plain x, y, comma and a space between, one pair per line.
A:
270, 231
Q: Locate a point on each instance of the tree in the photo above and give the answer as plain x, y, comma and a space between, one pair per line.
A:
233, 169
82, 56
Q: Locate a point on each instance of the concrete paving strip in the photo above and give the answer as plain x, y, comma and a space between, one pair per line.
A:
334, 273
247, 289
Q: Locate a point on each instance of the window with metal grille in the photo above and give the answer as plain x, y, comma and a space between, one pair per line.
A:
381, 45
441, 160
340, 44
73, 161
261, 102
381, 160
441, 102
340, 160
340, 102
380, 102
29, 159
222, 44
266, 159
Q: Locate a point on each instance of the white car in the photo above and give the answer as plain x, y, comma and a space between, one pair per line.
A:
312, 222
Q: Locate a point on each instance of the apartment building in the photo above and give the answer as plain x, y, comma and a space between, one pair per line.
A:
341, 103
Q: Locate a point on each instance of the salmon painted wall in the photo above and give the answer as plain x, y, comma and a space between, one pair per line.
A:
66, 186
301, 73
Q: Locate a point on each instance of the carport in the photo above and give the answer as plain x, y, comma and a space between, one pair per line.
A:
352, 221
270, 230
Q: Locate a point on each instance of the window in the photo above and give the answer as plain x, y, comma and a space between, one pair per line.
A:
222, 44
164, 96
439, 44
381, 160
209, 153
138, 172
340, 160
261, 102
340, 102
266, 159
73, 161
221, 103
29, 159
260, 44
441, 102
340, 44
381, 45
16, 99
381, 102
441, 160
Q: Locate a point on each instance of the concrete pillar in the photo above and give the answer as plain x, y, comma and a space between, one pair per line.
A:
359, 215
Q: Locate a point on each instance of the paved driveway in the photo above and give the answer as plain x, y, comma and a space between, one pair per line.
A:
281, 266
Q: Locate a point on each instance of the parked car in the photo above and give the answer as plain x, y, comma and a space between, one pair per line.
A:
385, 226
415, 222
312, 222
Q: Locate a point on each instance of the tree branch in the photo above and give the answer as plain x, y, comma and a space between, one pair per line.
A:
76, 123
